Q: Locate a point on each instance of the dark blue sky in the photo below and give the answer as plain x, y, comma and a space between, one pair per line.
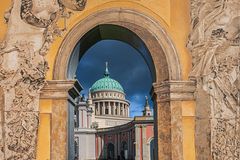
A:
125, 65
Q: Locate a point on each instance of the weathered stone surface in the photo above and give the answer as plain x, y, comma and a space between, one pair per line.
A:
1, 123
59, 130
215, 46
202, 128
31, 30
168, 116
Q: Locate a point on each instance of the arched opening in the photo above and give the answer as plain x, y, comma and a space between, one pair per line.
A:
152, 149
154, 45
124, 150
109, 32
110, 151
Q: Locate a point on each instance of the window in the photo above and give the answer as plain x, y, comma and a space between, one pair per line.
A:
106, 111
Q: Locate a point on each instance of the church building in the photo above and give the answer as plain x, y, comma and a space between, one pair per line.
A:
107, 98
103, 128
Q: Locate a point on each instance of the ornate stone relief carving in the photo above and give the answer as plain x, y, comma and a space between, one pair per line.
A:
31, 30
215, 46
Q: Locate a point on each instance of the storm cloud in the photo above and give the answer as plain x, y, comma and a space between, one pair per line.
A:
126, 66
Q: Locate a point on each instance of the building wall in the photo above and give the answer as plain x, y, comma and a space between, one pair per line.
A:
87, 144
105, 121
136, 135
84, 134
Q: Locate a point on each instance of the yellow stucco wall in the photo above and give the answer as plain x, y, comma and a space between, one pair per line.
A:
188, 119
44, 131
3, 26
173, 15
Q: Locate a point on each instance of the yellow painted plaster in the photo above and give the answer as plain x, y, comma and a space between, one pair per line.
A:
188, 123
179, 30
188, 108
188, 138
45, 106
3, 26
162, 15
44, 130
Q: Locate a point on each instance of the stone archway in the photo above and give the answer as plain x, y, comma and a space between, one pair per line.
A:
168, 90
153, 35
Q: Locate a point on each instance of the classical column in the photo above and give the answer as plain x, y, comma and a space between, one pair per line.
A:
89, 120
145, 152
168, 98
109, 109
98, 146
103, 108
80, 118
114, 108
118, 108
96, 108
137, 142
99, 107
58, 91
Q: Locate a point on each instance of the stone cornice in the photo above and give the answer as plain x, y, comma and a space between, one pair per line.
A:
125, 127
111, 100
78, 131
60, 89
174, 91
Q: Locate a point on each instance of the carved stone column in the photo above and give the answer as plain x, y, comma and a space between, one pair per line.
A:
168, 97
59, 92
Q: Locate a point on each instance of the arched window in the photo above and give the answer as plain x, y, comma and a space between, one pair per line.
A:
110, 151
124, 150
152, 149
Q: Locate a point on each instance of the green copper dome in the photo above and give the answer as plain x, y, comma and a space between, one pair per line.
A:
106, 83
